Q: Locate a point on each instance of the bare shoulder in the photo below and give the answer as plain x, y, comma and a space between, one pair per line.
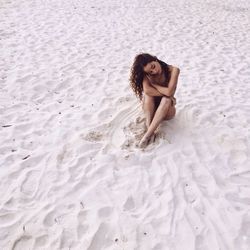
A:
173, 69
170, 68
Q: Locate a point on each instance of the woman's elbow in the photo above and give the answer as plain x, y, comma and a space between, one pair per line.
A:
177, 70
172, 91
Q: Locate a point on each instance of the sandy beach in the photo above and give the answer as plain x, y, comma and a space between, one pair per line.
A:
71, 175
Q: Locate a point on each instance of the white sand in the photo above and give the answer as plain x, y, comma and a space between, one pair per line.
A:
71, 176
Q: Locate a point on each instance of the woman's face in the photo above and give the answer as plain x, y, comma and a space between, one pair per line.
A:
152, 68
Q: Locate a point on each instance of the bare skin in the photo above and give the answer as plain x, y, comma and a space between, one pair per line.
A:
154, 90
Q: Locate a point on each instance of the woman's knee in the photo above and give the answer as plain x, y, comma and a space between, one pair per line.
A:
171, 113
165, 101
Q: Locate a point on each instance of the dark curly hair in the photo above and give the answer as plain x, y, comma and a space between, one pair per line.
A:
137, 73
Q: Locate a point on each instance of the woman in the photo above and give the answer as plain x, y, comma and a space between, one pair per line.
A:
154, 82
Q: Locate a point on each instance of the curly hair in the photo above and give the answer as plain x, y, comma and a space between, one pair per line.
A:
137, 72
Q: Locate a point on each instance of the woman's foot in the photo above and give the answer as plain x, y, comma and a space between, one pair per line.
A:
146, 140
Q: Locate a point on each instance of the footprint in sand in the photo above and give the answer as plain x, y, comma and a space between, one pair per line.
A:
23, 242
41, 241
105, 212
93, 136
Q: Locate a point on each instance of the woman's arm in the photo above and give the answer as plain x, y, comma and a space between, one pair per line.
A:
170, 90
148, 89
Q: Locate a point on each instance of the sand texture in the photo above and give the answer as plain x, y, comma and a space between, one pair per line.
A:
71, 174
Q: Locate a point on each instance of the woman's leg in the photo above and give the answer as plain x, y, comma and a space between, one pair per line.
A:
160, 114
171, 113
149, 108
